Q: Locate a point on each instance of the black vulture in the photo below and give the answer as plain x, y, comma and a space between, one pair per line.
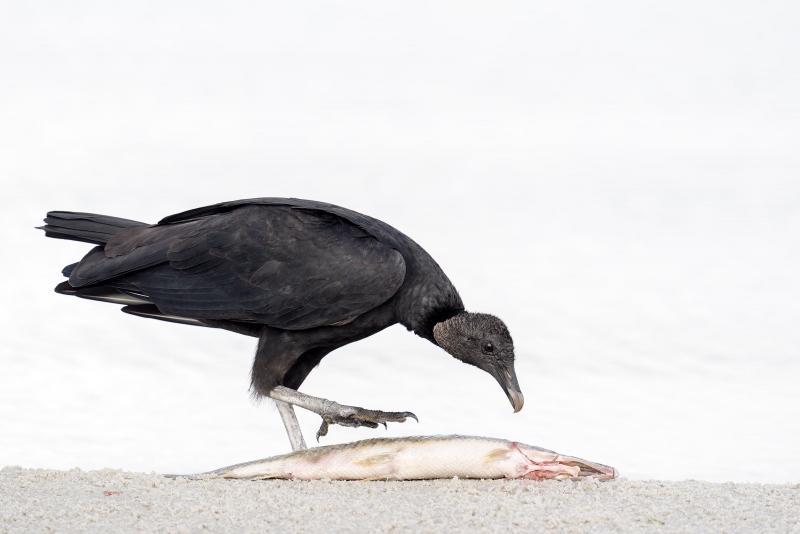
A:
304, 277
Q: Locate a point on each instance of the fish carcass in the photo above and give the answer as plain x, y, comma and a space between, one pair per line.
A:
418, 458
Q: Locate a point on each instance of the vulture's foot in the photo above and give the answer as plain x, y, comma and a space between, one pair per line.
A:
333, 413
361, 417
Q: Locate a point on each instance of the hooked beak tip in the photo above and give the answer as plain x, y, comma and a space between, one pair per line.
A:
516, 398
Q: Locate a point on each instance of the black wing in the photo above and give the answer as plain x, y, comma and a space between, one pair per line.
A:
374, 227
273, 264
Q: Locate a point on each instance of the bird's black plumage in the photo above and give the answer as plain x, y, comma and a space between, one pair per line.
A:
274, 265
304, 277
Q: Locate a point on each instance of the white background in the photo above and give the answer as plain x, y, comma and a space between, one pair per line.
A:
617, 180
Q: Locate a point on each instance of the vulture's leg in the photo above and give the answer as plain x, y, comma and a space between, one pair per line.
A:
335, 413
292, 426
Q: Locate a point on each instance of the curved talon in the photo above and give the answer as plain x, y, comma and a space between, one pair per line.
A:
323, 429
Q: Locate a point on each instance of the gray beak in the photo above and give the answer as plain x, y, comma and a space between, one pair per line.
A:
507, 378
516, 398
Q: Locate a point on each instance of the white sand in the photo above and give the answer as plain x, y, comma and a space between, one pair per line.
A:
117, 501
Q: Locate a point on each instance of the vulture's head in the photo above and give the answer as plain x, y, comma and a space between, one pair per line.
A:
482, 340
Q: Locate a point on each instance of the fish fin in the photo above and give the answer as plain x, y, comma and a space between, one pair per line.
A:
381, 477
494, 455
260, 476
266, 476
375, 460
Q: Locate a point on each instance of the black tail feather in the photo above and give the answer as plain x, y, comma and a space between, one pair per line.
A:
85, 227
66, 271
65, 289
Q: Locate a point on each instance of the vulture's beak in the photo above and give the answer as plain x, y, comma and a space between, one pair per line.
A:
516, 398
507, 378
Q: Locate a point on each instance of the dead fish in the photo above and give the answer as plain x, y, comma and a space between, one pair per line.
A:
419, 458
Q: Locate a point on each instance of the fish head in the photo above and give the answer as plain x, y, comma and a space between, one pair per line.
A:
543, 464
482, 340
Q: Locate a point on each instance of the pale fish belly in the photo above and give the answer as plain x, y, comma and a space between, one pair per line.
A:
419, 458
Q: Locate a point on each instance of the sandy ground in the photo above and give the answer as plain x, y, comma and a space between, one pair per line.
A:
36, 500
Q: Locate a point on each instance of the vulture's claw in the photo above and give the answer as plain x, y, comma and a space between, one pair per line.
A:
333, 413
355, 417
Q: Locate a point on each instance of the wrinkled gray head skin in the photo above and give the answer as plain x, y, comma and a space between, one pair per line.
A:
482, 340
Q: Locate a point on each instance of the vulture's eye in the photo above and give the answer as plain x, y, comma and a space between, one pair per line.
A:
487, 347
